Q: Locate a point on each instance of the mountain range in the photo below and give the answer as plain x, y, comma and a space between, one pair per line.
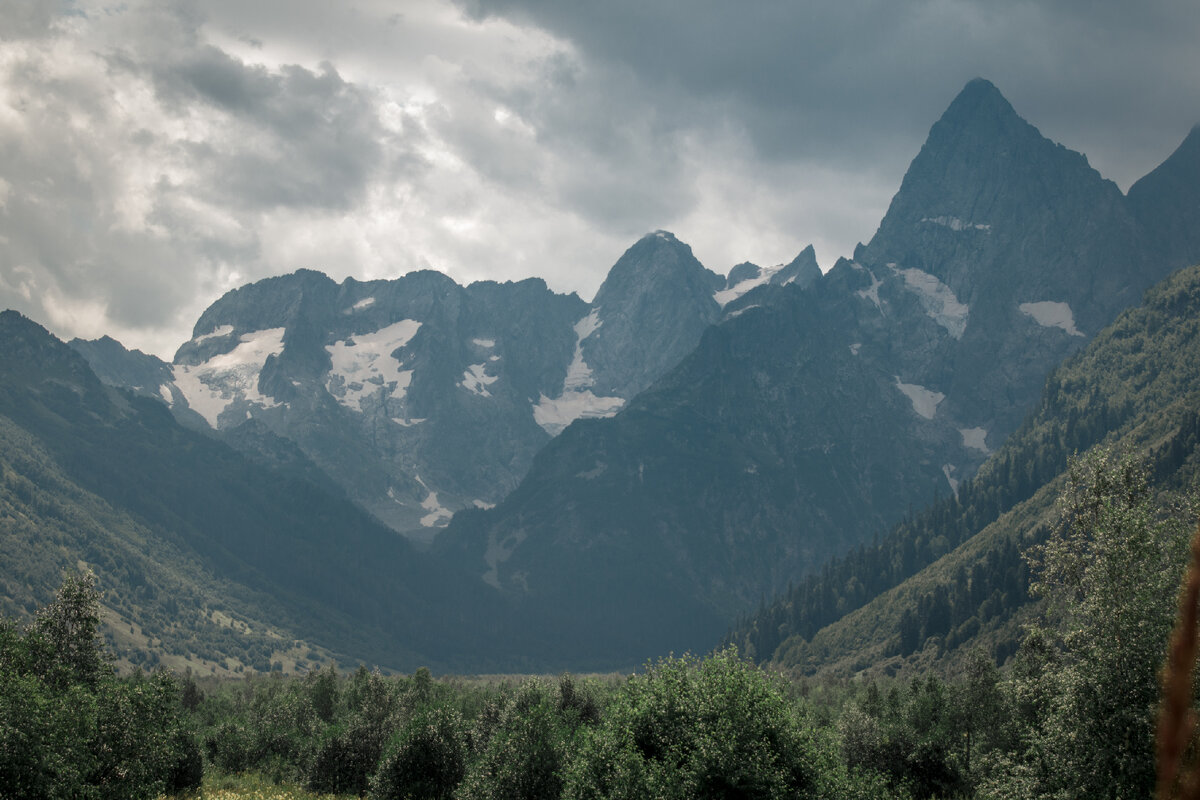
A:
420, 397
587, 485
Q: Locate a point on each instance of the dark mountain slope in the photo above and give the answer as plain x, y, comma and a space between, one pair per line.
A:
345, 581
1135, 389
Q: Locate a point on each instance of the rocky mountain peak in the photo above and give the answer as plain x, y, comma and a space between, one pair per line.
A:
117, 366
980, 104
649, 313
1167, 203
802, 270
979, 160
984, 182
742, 272
657, 261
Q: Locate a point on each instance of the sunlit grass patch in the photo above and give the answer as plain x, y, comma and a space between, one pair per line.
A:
250, 786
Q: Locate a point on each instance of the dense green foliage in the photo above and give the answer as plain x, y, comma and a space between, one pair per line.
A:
683, 728
1073, 716
709, 729
69, 728
1089, 676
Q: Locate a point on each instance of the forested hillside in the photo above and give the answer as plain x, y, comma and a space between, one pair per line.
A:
953, 575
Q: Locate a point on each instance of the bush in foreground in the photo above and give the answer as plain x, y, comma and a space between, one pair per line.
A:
70, 728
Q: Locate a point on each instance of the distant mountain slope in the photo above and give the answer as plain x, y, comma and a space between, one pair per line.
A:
186, 532
952, 577
799, 428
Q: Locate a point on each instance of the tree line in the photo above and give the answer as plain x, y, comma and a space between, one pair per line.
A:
1070, 716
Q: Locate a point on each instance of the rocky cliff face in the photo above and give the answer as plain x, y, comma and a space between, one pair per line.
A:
809, 419
648, 314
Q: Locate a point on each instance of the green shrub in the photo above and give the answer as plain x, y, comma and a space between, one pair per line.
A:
685, 728
426, 761
525, 753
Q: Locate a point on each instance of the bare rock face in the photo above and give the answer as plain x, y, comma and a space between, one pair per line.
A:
649, 314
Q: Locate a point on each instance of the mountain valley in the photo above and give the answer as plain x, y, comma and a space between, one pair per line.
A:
499, 477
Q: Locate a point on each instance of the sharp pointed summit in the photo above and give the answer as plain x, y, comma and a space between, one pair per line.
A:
983, 166
980, 102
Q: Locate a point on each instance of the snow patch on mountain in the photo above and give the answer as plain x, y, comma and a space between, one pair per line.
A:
166, 394
956, 224
743, 310
975, 438
854, 348
725, 296
363, 365
579, 374
871, 293
366, 302
1051, 314
215, 333
555, 414
489, 343
437, 513
213, 386
498, 551
593, 473
938, 300
948, 470
476, 380
576, 399
924, 401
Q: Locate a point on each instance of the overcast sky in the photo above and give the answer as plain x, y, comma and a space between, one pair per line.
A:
156, 154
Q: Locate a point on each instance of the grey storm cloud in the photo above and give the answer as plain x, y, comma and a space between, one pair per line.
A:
156, 153
293, 137
847, 80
